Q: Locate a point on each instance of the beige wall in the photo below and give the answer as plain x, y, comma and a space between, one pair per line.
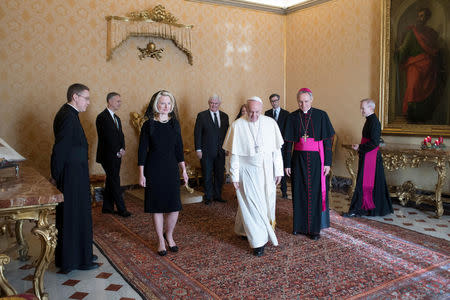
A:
332, 48
47, 45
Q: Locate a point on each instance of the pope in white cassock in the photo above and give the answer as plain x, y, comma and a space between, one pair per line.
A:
256, 168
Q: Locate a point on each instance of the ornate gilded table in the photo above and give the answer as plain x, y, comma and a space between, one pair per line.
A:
402, 156
29, 197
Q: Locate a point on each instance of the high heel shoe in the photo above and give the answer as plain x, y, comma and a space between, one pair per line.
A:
171, 249
162, 253
174, 248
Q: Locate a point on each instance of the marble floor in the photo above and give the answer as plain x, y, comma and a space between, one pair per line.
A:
106, 283
410, 218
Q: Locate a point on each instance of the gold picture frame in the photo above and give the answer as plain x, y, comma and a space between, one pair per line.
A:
415, 40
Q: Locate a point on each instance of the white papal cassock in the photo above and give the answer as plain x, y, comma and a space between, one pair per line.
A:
256, 160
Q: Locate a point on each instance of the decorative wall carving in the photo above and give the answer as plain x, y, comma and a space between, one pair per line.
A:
150, 51
156, 22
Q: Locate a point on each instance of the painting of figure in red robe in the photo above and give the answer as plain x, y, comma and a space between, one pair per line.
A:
420, 32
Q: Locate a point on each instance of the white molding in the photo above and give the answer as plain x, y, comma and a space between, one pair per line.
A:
263, 7
304, 5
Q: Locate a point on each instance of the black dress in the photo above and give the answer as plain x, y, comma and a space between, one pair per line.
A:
160, 151
381, 199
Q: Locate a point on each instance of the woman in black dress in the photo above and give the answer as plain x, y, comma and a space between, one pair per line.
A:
159, 157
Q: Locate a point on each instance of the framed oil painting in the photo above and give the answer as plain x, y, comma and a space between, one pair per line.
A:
415, 68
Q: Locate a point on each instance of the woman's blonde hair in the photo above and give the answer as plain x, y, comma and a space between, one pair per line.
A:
161, 94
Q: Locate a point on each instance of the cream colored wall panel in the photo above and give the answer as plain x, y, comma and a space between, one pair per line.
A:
47, 45
331, 49
334, 49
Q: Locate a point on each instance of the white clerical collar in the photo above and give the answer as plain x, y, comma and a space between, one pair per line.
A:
305, 112
73, 107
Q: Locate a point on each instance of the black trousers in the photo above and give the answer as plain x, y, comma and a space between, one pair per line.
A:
213, 169
283, 185
113, 193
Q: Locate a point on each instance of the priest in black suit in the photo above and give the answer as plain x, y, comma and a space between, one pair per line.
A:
308, 157
110, 150
280, 115
70, 171
209, 133
371, 196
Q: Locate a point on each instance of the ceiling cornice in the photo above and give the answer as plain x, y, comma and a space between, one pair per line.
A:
263, 7
303, 5
244, 4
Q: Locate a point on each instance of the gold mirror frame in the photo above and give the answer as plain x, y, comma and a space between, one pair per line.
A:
390, 124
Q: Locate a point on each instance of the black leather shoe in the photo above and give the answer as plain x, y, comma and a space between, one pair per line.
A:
284, 196
94, 257
351, 215
314, 236
124, 213
162, 253
243, 237
295, 232
220, 200
173, 248
89, 267
258, 251
207, 201
107, 211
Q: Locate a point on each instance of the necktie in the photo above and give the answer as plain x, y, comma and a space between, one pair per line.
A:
216, 122
116, 122
275, 115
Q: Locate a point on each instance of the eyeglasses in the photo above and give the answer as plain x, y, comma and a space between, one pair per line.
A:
87, 98
272, 101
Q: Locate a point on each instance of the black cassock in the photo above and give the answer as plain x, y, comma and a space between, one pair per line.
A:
381, 199
69, 167
306, 169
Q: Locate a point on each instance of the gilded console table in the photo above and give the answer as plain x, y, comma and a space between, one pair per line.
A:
29, 197
402, 156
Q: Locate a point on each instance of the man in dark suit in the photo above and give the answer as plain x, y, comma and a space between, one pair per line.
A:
280, 115
210, 129
70, 171
110, 150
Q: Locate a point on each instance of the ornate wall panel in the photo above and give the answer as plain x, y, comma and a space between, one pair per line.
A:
47, 45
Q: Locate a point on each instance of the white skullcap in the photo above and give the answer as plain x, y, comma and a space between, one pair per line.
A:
255, 98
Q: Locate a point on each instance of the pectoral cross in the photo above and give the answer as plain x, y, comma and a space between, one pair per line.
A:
305, 136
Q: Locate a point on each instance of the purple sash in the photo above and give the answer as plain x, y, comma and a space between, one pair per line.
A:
312, 145
370, 162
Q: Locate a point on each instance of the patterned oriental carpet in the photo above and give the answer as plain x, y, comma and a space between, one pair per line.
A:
355, 258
